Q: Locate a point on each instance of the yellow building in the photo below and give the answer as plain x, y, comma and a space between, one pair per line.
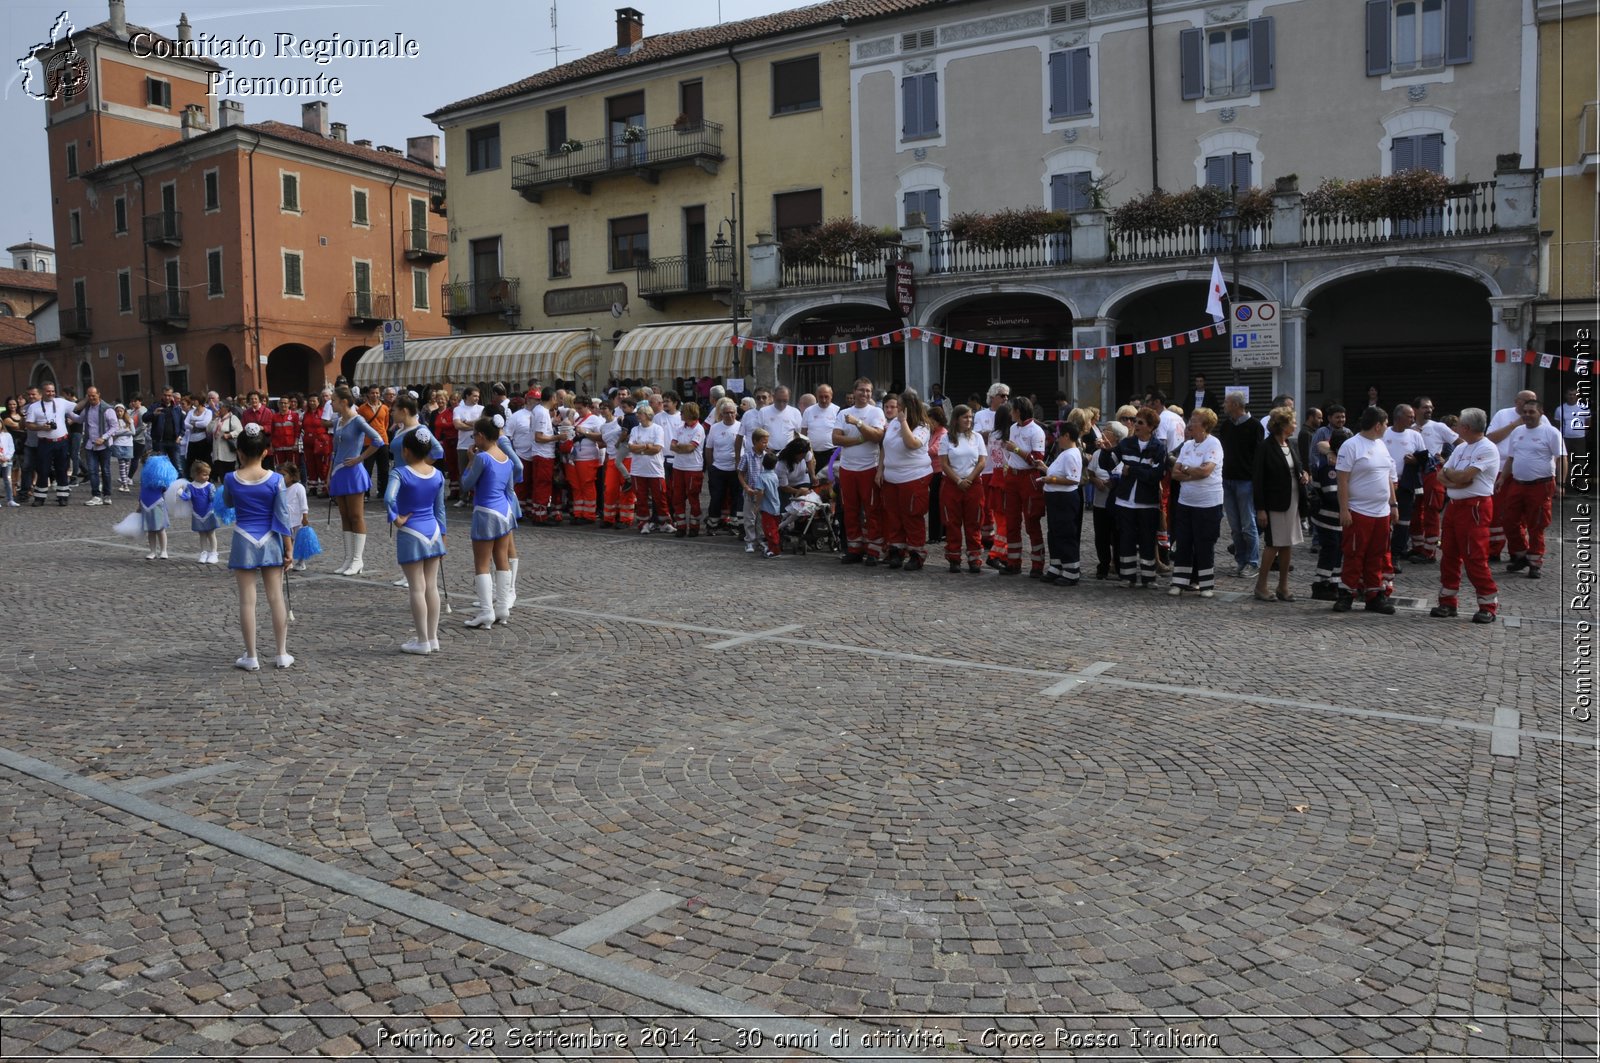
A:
1569, 155
618, 192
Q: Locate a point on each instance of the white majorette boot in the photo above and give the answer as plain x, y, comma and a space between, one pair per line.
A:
502, 596
349, 555
484, 617
359, 543
511, 587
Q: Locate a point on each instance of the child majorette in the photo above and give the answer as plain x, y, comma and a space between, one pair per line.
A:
200, 494
415, 500
157, 475
299, 511
258, 498
488, 479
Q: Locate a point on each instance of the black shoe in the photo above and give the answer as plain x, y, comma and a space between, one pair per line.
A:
913, 564
995, 562
955, 566
1344, 603
1517, 564
61, 501
1533, 572
38, 502
681, 533
1483, 616
974, 568
870, 562
1102, 571
1324, 592
1065, 582
1380, 604
1494, 558
1443, 612
1010, 570
1392, 568
895, 561
852, 559
1048, 577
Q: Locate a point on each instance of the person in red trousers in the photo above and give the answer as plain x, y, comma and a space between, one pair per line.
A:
961, 459
688, 448
903, 476
859, 430
1023, 453
1532, 473
1368, 511
1468, 476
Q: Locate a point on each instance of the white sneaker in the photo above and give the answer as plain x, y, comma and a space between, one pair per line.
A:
1174, 591
284, 661
95, 501
1208, 593
212, 558
416, 646
646, 529
204, 558
249, 664
162, 555
669, 529
433, 645
14, 504
402, 582
749, 548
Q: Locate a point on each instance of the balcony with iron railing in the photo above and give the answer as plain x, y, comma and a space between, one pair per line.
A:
75, 321
644, 152
1188, 241
469, 298
169, 308
1468, 210
949, 253
421, 245
838, 269
366, 309
660, 278
164, 229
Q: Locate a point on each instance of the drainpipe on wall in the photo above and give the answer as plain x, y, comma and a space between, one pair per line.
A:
394, 291
149, 333
738, 111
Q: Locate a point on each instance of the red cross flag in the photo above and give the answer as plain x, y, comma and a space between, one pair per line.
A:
1217, 292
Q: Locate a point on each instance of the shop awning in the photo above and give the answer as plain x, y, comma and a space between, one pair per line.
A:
512, 357
686, 348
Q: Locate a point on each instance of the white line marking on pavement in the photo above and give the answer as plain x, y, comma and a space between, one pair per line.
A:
618, 919
142, 786
756, 636
108, 542
1075, 681
1504, 740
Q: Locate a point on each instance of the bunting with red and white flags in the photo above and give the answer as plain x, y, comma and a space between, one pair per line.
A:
936, 338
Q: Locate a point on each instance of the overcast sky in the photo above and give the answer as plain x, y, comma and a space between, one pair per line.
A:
468, 46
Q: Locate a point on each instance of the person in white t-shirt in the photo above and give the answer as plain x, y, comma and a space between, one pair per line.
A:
722, 469
817, 420
466, 415
1197, 515
860, 430
781, 420
1501, 425
669, 418
1468, 476
903, 477
962, 456
584, 472
1533, 472
618, 499
994, 503
1367, 512
542, 468
1437, 436
1408, 449
688, 471
1574, 418
47, 420
647, 444
1022, 453
1063, 507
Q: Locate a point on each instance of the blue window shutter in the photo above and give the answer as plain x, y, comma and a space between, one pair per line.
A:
1217, 175
1263, 55
1377, 37
1078, 191
1060, 84
909, 100
1457, 31
1061, 191
1191, 65
930, 103
1241, 170
1078, 66
1403, 154
1430, 152
930, 208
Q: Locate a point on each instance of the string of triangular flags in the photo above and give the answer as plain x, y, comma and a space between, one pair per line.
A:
1565, 363
981, 347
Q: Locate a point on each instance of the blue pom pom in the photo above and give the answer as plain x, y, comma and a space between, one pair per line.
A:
226, 514
157, 472
305, 543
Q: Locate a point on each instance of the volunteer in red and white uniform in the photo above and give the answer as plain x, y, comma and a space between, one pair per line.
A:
585, 468
983, 423
962, 458
903, 478
688, 471
1468, 476
859, 431
1367, 512
1501, 425
1022, 451
1532, 474
542, 466
1430, 504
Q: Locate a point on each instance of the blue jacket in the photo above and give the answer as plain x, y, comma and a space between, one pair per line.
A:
1142, 471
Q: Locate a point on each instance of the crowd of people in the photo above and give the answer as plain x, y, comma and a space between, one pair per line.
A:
888, 474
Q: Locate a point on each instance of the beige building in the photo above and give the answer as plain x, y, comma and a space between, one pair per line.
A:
611, 193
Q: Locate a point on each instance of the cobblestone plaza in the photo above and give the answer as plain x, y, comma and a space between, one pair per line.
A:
690, 803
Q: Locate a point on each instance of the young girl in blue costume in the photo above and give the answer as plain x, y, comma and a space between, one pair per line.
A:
415, 500
494, 517
349, 482
262, 519
157, 475
205, 521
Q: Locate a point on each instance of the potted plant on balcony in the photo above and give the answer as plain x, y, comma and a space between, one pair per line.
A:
685, 124
571, 145
633, 134
1006, 230
837, 239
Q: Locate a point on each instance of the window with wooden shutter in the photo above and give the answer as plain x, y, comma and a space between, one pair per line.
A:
796, 211
1191, 64
1069, 84
1413, 36
555, 130
293, 282
919, 99
630, 241
214, 272
1424, 151
1228, 171
796, 85
1377, 37
1070, 192
924, 202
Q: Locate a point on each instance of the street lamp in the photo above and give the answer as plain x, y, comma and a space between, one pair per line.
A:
1228, 228
722, 247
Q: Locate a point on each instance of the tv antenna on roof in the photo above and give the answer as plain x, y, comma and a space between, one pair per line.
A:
555, 39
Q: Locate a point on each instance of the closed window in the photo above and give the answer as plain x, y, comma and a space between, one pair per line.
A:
926, 203
213, 191
1410, 36
483, 148
119, 213
158, 93
214, 272
555, 130
691, 103
1228, 171
124, 291
796, 85
358, 206
1425, 151
293, 281
1069, 84
419, 289
630, 241
74, 227
291, 192
72, 160
796, 211
1226, 61
919, 101
560, 252
1070, 192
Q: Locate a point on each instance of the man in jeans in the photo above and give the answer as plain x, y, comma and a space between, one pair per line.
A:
1240, 436
99, 420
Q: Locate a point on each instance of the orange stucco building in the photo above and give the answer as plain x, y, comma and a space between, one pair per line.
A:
198, 250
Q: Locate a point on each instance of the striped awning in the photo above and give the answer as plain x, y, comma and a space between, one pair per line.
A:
512, 357
686, 348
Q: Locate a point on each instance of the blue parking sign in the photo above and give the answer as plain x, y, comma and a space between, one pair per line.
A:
1241, 340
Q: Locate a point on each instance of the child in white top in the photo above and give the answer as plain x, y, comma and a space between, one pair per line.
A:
299, 512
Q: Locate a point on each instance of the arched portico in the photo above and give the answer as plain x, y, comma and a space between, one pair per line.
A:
1028, 317
293, 368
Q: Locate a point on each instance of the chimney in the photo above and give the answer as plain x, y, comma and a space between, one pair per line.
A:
184, 33
314, 117
194, 121
388, 149
231, 113
424, 150
341, 131
119, 19
630, 30
363, 143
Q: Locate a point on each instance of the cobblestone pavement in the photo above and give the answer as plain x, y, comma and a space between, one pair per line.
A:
691, 803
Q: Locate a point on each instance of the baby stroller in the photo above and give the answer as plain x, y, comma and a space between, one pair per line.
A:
807, 524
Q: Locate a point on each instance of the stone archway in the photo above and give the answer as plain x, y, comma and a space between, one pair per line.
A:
840, 322
220, 373
85, 377
43, 373
347, 364
293, 368
1163, 309
1014, 319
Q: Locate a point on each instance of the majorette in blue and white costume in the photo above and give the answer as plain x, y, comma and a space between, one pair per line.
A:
154, 478
397, 447
420, 499
263, 517
205, 517
347, 444
494, 510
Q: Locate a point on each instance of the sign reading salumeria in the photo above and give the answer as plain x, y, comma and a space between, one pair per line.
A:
984, 347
